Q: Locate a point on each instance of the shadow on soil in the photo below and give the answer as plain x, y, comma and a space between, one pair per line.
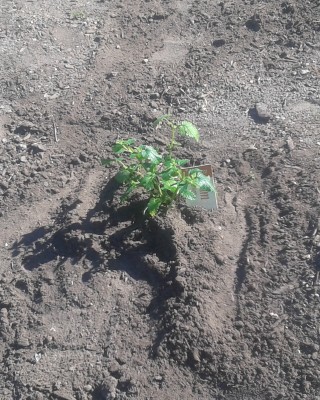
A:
110, 236
68, 239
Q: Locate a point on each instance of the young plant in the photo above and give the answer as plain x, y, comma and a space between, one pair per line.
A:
184, 128
160, 175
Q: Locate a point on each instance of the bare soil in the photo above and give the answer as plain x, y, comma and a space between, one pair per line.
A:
98, 303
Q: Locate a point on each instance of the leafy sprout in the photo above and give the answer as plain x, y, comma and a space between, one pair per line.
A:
184, 128
160, 175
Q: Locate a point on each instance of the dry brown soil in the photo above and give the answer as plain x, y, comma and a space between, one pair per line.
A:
97, 303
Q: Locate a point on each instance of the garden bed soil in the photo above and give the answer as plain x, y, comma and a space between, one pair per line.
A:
98, 302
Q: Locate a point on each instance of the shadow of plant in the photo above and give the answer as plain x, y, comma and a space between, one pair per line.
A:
115, 237
71, 236
112, 236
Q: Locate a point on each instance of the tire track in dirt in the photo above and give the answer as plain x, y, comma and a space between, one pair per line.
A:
35, 289
274, 275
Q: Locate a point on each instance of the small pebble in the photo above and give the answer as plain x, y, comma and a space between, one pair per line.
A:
76, 161
37, 147
239, 324
23, 342
290, 144
87, 388
263, 111
219, 259
196, 355
21, 147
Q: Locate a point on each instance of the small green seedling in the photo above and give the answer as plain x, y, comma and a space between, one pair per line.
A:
160, 175
78, 15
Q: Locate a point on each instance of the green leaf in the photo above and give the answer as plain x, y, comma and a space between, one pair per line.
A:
123, 176
207, 187
186, 128
170, 173
182, 162
204, 183
168, 162
122, 145
160, 119
194, 172
127, 142
170, 185
165, 176
148, 181
153, 206
150, 153
118, 148
187, 193
107, 162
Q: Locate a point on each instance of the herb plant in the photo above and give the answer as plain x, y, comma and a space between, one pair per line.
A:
160, 175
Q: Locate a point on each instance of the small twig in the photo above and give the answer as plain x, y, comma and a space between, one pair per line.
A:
316, 279
55, 132
57, 155
290, 60
10, 178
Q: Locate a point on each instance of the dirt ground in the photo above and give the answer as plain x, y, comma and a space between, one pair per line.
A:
98, 304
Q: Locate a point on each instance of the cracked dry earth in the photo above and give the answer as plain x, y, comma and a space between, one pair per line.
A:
97, 303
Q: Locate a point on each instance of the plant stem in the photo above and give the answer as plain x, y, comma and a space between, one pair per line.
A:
173, 132
159, 186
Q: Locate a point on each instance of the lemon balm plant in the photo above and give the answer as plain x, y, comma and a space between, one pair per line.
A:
159, 174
